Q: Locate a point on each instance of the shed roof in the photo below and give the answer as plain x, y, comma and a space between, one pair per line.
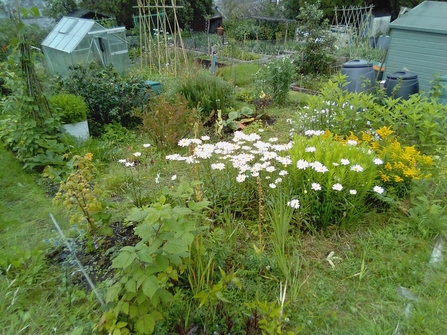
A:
68, 33
429, 16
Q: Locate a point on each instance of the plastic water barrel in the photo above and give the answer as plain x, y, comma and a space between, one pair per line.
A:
360, 74
383, 42
443, 97
408, 84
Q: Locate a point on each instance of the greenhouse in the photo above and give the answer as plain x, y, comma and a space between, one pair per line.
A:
76, 40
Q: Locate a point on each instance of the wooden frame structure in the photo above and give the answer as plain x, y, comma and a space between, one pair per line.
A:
161, 44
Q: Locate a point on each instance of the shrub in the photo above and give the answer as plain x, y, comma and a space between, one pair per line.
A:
110, 98
208, 92
166, 121
71, 108
276, 77
317, 43
418, 121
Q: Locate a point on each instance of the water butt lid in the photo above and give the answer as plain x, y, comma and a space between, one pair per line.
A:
404, 75
356, 63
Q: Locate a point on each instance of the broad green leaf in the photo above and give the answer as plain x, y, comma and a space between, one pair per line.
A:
198, 206
133, 311
157, 316
152, 217
181, 210
125, 307
145, 324
219, 295
137, 214
77, 331
124, 259
165, 295
34, 11
162, 262
175, 246
150, 286
112, 292
146, 253
130, 285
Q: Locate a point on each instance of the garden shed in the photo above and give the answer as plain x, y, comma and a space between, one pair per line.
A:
419, 43
76, 40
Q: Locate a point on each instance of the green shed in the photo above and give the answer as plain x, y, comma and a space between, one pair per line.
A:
419, 43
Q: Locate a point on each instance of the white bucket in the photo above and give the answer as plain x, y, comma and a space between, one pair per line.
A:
78, 130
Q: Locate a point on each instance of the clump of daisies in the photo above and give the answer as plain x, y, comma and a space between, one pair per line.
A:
334, 181
325, 181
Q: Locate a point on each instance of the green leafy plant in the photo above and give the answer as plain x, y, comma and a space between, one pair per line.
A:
84, 200
148, 271
110, 98
332, 180
418, 121
208, 92
276, 76
71, 108
316, 41
237, 119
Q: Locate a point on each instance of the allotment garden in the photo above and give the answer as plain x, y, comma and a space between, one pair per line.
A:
224, 204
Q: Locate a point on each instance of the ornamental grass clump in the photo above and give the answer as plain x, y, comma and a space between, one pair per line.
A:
333, 181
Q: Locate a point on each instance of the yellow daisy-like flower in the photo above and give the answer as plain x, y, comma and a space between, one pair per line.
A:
410, 172
375, 145
367, 137
388, 166
384, 177
89, 156
398, 179
384, 132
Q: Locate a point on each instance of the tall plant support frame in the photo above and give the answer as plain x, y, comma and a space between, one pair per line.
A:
352, 22
158, 50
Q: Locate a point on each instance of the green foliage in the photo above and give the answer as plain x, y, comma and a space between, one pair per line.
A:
316, 41
207, 92
418, 121
242, 29
333, 181
110, 98
84, 200
70, 107
276, 77
148, 271
59, 8
236, 119
27, 126
166, 121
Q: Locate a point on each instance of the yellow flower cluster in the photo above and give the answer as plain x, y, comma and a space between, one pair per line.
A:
400, 163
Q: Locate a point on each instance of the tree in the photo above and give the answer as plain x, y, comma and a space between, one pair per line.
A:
122, 10
58, 8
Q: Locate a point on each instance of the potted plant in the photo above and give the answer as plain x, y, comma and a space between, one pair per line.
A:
72, 111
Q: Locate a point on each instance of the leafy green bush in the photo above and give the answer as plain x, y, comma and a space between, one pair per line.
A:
207, 92
276, 78
418, 121
110, 98
71, 108
316, 41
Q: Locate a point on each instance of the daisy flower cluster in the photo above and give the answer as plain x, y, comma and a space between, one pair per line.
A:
246, 154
